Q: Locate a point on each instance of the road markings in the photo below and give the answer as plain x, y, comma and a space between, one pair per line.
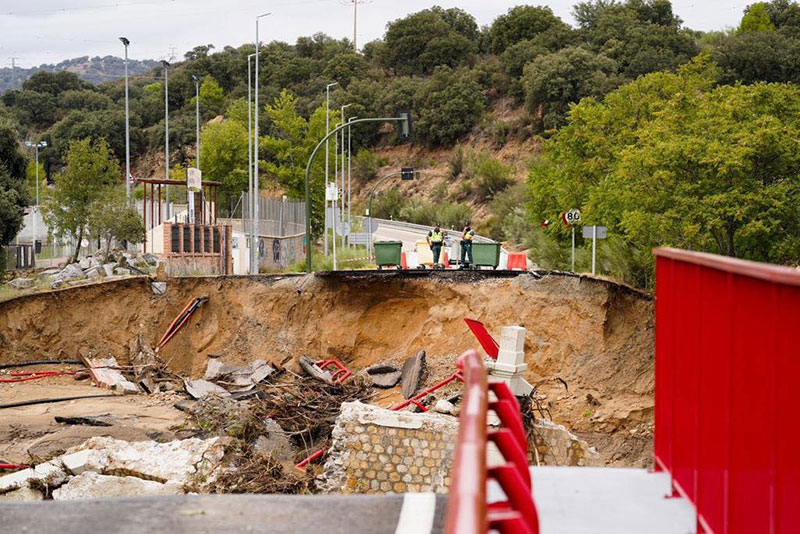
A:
417, 514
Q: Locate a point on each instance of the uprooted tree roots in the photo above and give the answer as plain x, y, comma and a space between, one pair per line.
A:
306, 410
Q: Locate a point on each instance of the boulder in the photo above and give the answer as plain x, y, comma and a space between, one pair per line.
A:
109, 268
73, 270
22, 283
94, 273
120, 271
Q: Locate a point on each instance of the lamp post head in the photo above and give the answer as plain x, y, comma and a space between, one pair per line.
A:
165, 63
125, 41
331, 85
28, 144
43, 144
195, 78
263, 15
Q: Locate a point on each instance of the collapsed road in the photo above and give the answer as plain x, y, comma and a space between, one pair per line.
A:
589, 347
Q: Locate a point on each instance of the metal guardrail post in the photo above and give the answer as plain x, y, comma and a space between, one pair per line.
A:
468, 511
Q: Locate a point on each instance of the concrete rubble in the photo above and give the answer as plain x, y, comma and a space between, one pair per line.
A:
90, 268
91, 485
413, 374
108, 467
384, 375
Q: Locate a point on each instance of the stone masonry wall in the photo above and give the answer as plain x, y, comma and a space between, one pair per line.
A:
555, 445
380, 451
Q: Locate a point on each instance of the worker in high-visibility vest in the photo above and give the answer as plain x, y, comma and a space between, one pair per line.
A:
435, 241
466, 246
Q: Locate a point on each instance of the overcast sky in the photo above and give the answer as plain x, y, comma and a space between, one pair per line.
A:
49, 31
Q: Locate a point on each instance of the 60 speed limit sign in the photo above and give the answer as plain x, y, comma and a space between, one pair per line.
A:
573, 216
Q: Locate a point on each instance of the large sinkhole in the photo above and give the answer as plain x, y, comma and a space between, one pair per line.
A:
589, 343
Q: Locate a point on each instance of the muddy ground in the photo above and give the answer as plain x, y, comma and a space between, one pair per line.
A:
595, 335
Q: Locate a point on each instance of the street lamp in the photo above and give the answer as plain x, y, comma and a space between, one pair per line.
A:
404, 118
250, 208
327, 158
197, 115
125, 43
36, 147
166, 126
341, 214
255, 222
349, 172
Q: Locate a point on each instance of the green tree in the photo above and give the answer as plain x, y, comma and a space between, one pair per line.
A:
422, 41
286, 150
450, 104
225, 148
13, 194
212, 98
91, 169
112, 219
554, 81
521, 23
671, 159
756, 19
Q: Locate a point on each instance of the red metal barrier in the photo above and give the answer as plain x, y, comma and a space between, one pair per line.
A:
726, 413
417, 399
484, 337
517, 261
467, 510
340, 369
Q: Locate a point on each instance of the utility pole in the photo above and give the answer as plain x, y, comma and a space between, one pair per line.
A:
166, 127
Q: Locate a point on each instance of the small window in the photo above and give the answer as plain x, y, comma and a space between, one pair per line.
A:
176, 239
187, 236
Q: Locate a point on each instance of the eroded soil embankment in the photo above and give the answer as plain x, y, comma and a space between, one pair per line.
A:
595, 335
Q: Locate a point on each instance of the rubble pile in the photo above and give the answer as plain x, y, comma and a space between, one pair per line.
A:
90, 269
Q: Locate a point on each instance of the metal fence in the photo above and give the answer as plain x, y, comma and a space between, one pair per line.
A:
726, 415
277, 218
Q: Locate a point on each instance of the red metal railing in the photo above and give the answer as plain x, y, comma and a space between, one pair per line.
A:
727, 418
467, 510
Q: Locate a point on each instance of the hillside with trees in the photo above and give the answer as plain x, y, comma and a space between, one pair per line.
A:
666, 135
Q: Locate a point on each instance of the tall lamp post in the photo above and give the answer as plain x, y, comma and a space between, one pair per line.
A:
341, 215
166, 127
404, 119
197, 115
349, 172
125, 43
36, 147
327, 157
255, 222
250, 209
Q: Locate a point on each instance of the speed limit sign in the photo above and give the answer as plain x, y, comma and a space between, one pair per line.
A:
573, 216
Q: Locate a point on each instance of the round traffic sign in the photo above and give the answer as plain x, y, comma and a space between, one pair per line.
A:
573, 216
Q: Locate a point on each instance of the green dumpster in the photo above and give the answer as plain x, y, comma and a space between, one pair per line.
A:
388, 253
486, 254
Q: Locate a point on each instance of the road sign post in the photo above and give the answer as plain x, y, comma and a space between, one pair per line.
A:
573, 217
595, 233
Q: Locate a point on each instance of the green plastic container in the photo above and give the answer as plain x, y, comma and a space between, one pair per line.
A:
388, 253
486, 254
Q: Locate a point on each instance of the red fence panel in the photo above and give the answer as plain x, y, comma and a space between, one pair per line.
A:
726, 415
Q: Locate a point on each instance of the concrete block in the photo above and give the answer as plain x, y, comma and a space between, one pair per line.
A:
413, 374
90, 485
22, 495
85, 460
22, 283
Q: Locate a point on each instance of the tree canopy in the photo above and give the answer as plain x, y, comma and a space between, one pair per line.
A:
672, 159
